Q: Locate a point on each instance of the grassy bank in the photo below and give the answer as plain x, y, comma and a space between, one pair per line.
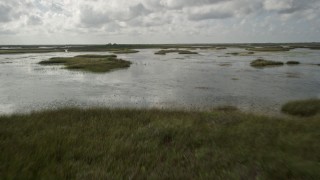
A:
157, 144
91, 63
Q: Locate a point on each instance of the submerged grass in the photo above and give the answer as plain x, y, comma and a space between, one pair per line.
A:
264, 63
157, 144
308, 107
164, 52
91, 63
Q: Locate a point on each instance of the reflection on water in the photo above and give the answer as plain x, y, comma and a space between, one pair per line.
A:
184, 81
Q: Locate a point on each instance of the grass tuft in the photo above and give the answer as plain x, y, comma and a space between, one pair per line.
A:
263, 63
227, 108
164, 52
123, 51
293, 62
310, 107
96, 56
269, 49
241, 53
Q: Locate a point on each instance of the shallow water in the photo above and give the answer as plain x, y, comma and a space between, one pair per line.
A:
209, 79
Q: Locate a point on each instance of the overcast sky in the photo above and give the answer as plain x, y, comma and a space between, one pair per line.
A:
158, 21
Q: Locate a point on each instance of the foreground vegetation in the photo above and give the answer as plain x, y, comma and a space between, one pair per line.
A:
157, 144
91, 63
264, 63
310, 107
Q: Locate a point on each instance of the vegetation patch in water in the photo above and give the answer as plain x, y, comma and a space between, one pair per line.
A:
264, 63
164, 52
103, 143
310, 107
96, 56
90, 63
269, 49
123, 51
24, 51
220, 48
293, 62
241, 53
225, 64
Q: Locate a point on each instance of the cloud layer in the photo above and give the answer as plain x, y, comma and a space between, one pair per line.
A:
158, 21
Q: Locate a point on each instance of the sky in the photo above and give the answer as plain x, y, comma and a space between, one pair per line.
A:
158, 21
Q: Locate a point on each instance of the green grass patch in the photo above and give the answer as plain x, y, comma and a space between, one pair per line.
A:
293, 62
264, 63
308, 107
90, 63
157, 144
164, 52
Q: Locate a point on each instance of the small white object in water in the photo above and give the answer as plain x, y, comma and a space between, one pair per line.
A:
66, 50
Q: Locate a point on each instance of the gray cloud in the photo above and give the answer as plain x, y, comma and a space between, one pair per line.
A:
5, 13
199, 18
138, 10
34, 20
210, 15
89, 17
289, 6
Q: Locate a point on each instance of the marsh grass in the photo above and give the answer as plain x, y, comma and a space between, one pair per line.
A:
123, 51
293, 62
241, 53
103, 143
23, 51
90, 63
310, 107
96, 56
220, 48
164, 52
225, 64
269, 49
264, 63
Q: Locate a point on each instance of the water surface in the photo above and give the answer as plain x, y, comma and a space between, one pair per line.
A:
209, 79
